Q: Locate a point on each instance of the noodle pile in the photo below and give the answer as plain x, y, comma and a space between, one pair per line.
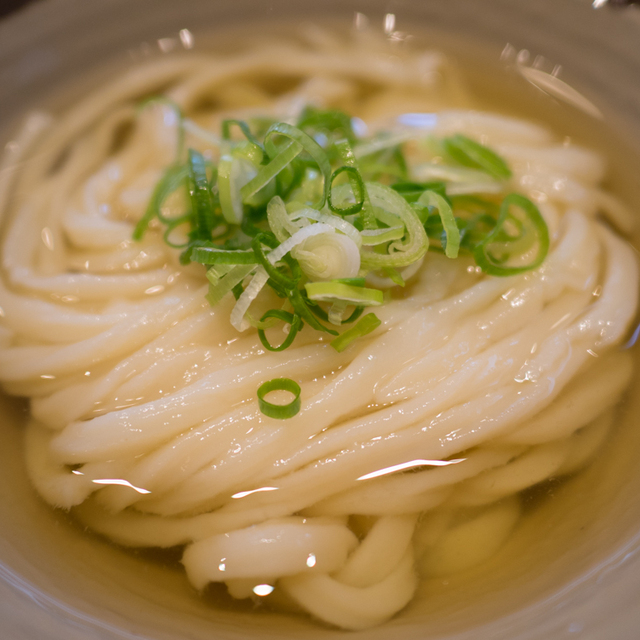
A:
411, 447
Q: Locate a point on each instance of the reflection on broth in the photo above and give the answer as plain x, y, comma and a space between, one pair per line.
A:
481, 375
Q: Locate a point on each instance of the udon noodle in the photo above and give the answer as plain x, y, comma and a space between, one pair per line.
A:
412, 446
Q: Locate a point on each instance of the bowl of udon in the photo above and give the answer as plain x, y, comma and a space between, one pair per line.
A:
319, 320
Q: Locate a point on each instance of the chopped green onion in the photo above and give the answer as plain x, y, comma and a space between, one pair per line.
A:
470, 153
455, 176
308, 144
268, 265
271, 170
201, 201
248, 295
433, 200
388, 163
336, 222
324, 315
295, 324
293, 176
233, 174
327, 255
536, 225
349, 159
365, 325
237, 291
373, 237
270, 213
215, 255
300, 237
260, 324
337, 291
280, 223
243, 126
302, 309
215, 272
400, 254
306, 186
226, 283
357, 184
173, 177
250, 152
279, 411
474, 230
411, 191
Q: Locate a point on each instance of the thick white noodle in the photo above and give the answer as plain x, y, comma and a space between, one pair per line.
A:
144, 412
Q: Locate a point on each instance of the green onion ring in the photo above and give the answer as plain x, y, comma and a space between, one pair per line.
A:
293, 320
357, 185
349, 159
279, 411
483, 258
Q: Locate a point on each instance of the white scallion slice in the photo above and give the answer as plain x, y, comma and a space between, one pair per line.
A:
328, 256
298, 238
233, 174
248, 296
327, 218
280, 222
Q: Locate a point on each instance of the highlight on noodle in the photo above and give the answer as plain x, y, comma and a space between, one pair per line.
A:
292, 311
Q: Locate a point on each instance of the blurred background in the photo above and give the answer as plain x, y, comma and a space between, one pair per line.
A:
8, 6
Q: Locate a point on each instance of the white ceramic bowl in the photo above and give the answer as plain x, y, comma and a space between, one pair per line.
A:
577, 571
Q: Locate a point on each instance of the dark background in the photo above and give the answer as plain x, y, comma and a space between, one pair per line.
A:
8, 6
